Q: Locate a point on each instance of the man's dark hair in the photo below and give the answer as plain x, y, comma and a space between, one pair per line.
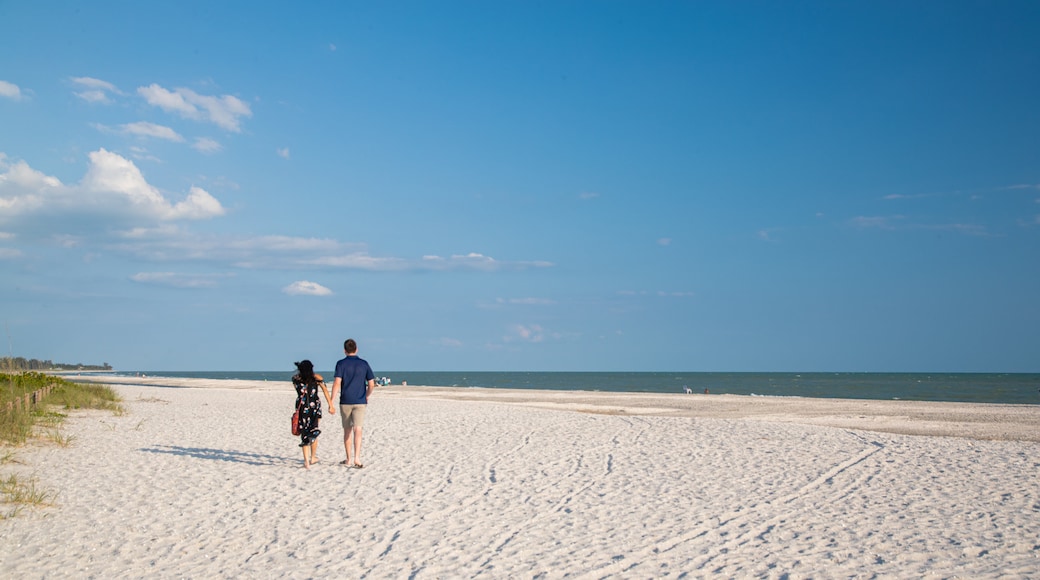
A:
349, 345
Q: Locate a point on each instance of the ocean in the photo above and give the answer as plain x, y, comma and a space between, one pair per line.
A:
1005, 388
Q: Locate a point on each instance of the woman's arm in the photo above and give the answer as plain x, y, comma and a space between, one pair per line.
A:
327, 396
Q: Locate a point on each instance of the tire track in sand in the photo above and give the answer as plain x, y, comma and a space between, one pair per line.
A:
563, 503
736, 528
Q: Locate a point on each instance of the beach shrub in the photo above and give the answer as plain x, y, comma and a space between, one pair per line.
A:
17, 421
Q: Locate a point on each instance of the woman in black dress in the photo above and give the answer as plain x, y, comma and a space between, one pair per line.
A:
307, 383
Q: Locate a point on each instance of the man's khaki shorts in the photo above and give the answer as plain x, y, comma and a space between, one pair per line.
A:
352, 416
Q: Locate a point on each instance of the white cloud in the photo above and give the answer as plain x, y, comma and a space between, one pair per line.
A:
10, 90
112, 186
178, 280
360, 261
9, 253
206, 145
273, 252
94, 96
145, 129
305, 288
23, 189
659, 293
170, 242
664, 241
527, 333
527, 301
111, 175
586, 195
283, 153
766, 235
95, 90
448, 342
875, 221
141, 153
332, 47
474, 261
224, 111
966, 229
897, 223
1023, 186
92, 83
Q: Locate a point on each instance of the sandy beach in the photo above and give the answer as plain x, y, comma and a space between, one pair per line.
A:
201, 479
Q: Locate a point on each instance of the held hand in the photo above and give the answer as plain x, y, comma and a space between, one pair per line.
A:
332, 410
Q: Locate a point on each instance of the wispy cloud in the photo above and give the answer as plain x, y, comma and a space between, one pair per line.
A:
657, 293
145, 129
225, 111
587, 195
1020, 186
207, 145
95, 90
526, 333
142, 154
476, 261
499, 303
898, 222
306, 288
881, 222
895, 196
10, 90
965, 229
768, 234
528, 301
283, 152
179, 280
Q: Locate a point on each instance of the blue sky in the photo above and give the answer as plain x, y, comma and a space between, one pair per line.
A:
616, 186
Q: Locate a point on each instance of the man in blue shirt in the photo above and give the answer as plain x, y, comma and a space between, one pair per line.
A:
353, 385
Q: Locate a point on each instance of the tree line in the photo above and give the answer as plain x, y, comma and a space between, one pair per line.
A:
18, 363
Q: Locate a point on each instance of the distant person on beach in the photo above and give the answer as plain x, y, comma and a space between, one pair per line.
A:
306, 383
353, 385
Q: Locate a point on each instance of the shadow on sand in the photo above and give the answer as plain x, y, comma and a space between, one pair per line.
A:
222, 455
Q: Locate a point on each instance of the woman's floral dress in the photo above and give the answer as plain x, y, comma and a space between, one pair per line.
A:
309, 404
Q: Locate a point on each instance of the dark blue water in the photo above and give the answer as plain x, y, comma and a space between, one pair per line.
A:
1014, 388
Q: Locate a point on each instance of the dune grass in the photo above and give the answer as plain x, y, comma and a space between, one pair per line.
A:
20, 493
19, 424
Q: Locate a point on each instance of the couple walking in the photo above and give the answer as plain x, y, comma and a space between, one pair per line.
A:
353, 385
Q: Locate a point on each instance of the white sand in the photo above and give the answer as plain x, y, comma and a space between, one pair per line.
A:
205, 483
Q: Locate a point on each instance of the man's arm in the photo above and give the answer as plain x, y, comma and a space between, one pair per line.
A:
335, 394
371, 387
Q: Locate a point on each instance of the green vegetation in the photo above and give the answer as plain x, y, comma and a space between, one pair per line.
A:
21, 493
18, 424
18, 363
